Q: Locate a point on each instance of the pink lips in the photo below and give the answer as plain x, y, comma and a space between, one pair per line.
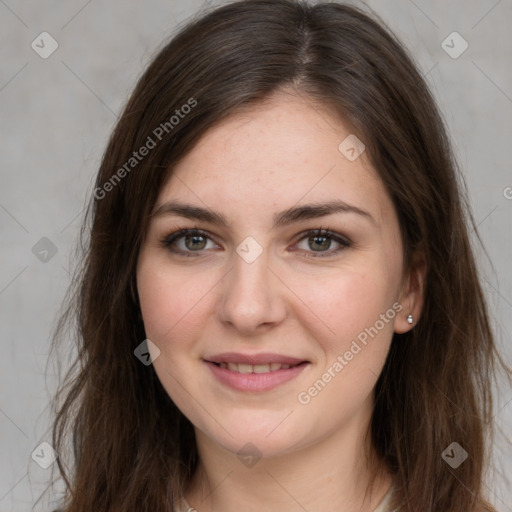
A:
271, 370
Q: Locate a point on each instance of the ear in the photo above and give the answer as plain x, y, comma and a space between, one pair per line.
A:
412, 294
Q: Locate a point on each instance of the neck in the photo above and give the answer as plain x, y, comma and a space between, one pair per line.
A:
333, 474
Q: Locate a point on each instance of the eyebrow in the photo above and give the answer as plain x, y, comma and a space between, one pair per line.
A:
281, 219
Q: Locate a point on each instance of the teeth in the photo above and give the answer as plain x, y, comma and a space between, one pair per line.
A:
261, 368
256, 368
245, 368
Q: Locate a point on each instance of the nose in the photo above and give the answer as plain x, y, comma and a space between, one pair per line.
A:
252, 296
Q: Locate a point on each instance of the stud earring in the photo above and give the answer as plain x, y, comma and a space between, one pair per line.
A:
410, 319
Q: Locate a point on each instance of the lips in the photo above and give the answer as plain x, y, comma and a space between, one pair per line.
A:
256, 372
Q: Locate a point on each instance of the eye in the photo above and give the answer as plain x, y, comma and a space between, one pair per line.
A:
320, 241
186, 241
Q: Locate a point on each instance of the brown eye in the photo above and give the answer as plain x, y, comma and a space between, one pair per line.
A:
320, 241
187, 241
195, 242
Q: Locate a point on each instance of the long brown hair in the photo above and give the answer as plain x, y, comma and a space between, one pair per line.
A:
131, 448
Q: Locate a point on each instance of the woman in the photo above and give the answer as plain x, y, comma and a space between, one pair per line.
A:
279, 308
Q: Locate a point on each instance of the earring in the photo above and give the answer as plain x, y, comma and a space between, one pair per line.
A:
410, 319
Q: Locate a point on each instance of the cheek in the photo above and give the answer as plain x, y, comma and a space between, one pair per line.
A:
359, 308
173, 315
353, 301
171, 302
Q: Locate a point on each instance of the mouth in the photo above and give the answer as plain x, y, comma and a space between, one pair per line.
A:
254, 373
256, 368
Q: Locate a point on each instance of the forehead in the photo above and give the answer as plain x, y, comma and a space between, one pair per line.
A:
281, 152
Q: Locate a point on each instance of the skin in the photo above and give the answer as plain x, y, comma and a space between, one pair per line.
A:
281, 154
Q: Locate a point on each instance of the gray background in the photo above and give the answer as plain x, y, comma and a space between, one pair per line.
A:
57, 114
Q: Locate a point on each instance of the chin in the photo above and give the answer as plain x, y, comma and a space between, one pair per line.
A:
256, 438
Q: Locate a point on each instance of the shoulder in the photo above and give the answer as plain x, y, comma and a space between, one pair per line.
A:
385, 503
183, 506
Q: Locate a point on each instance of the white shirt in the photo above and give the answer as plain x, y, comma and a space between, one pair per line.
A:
382, 507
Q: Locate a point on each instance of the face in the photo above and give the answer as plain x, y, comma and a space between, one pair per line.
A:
273, 315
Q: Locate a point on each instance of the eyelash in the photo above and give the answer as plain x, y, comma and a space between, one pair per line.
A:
171, 239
